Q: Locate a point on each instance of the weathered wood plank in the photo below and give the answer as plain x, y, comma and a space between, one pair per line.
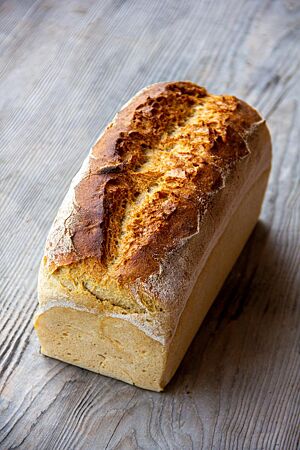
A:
66, 67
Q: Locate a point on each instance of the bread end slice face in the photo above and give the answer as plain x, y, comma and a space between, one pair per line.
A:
105, 345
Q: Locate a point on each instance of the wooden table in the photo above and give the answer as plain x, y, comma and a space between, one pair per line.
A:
66, 68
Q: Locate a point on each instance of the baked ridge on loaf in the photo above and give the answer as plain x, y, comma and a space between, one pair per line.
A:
166, 199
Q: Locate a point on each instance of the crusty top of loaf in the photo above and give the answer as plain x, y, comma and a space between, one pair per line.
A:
149, 204
148, 180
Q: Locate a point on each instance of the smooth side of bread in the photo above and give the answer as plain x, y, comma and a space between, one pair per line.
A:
149, 230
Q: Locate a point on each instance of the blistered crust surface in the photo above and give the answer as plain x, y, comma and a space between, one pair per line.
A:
148, 180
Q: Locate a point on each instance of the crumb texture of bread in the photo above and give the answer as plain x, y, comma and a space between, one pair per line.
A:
149, 204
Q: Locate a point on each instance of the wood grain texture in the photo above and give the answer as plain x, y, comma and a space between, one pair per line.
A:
66, 67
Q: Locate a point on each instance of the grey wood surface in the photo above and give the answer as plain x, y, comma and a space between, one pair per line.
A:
66, 67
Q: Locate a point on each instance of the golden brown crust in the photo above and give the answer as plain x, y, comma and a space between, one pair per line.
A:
123, 350
150, 177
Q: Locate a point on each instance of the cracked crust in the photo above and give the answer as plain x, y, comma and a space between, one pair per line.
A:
148, 178
150, 202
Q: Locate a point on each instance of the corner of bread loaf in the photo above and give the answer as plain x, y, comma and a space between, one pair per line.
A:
83, 287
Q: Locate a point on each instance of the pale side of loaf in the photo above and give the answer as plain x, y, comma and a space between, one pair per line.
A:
148, 231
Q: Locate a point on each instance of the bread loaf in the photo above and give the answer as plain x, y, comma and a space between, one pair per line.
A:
148, 231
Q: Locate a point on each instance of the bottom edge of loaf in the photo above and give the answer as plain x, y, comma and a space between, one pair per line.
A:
116, 348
